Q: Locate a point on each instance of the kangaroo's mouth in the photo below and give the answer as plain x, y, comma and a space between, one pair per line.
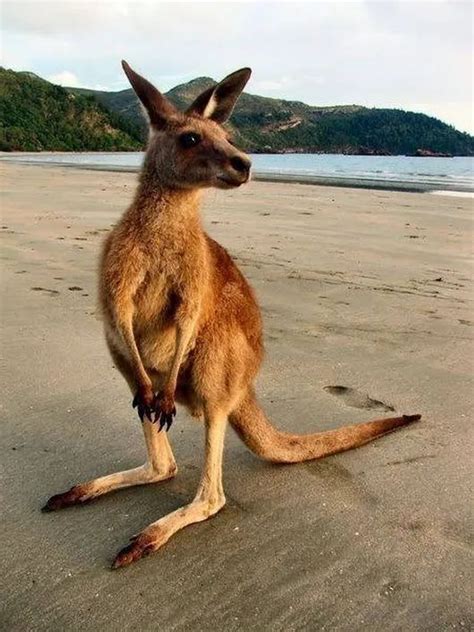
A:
227, 182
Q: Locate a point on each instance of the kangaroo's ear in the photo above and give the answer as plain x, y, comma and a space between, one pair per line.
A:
158, 108
217, 102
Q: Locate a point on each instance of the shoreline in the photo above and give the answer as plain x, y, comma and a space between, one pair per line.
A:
310, 179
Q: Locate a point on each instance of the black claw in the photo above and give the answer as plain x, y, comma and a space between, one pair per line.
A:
162, 421
153, 413
143, 411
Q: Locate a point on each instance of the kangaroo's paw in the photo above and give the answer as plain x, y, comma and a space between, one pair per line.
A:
161, 408
145, 406
166, 409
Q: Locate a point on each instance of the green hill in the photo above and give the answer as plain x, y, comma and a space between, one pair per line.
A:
270, 125
36, 115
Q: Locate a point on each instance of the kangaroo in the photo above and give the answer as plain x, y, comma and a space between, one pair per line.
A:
181, 322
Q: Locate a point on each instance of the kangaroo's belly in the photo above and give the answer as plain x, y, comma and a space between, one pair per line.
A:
154, 326
157, 348
155, 345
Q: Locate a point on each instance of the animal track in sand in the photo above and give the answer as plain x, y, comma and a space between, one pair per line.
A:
355, 399
45, 289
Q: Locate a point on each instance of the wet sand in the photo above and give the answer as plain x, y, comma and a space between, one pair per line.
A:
367, 291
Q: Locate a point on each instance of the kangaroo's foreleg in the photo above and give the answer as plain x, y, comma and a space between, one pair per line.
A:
208, 501
122, 289
159, 466
186, 316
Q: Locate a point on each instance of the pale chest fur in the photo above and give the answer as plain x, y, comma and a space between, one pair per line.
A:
167, 267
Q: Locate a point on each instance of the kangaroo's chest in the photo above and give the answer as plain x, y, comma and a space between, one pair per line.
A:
162, 286
154, 322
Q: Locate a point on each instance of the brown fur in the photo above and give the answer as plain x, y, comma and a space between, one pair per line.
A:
181, 322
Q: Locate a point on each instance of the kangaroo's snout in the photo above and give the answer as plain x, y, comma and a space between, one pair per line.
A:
241, 164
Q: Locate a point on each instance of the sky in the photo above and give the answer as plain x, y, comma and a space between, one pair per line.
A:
410, 54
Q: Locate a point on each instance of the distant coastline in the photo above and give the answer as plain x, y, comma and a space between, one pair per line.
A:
399, 173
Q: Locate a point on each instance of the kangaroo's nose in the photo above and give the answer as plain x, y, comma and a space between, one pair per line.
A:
242, 165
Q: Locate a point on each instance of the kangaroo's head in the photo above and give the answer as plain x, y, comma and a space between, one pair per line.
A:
192, 149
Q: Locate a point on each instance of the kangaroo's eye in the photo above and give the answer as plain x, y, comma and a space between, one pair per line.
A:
189, 139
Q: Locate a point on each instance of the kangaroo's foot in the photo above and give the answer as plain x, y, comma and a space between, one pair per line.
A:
158, 533
160, 407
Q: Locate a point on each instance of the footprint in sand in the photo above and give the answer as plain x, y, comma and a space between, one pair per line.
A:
356, 399
45, 289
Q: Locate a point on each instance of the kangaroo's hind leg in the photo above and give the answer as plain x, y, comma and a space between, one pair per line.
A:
208, 501
159, 465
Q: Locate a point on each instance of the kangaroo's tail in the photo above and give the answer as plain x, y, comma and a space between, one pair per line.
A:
255, 430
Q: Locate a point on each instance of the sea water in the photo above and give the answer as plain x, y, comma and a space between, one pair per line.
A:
456, 174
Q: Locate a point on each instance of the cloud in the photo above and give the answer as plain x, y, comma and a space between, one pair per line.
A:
65, 78
385, 54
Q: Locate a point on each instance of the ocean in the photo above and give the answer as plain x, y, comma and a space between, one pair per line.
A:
392, 172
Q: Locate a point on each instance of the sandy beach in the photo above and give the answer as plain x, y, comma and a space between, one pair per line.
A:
368, 291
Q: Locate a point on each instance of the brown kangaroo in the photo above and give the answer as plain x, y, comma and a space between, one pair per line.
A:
182, 323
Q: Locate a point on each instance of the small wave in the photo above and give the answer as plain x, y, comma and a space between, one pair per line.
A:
461, 194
